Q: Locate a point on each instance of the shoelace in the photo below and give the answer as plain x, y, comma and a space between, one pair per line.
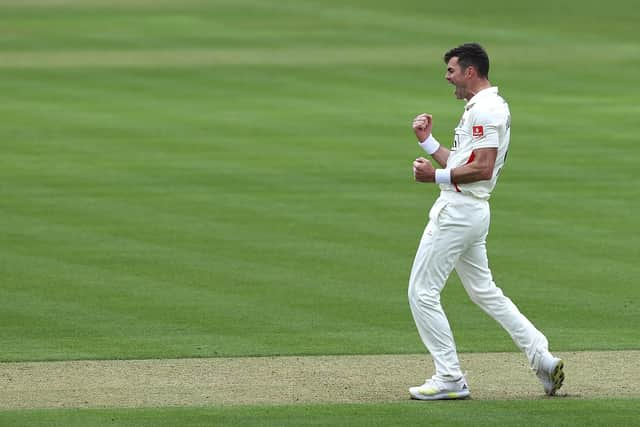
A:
442, 385
438, 384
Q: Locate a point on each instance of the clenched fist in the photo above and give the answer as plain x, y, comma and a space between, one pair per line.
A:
422, 126
423, 170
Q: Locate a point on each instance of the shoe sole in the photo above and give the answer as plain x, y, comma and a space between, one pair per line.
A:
449, 395
557, 378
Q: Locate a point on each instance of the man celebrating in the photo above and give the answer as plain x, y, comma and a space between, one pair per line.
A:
455, 236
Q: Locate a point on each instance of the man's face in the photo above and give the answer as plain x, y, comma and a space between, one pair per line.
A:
456, 76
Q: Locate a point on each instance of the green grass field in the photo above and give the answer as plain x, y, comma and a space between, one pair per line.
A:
502, 413
229, 178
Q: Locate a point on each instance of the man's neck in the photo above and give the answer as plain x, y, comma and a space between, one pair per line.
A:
477, 87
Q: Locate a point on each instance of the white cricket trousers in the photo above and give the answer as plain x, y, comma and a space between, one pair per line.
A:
455, 237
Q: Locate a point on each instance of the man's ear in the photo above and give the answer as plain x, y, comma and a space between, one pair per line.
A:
470, 71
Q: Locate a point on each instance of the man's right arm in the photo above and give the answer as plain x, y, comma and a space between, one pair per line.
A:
422, 126
441, 156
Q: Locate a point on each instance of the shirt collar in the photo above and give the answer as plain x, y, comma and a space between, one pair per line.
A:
479, 95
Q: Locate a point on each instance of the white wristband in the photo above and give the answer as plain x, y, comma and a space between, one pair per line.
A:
430, 145
443, 176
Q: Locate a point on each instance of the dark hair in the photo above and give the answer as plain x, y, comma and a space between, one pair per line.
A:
470, 54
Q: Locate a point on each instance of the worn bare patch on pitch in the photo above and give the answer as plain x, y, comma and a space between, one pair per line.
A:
291, 380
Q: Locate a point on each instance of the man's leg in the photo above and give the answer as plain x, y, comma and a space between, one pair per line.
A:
473, 269
440, 246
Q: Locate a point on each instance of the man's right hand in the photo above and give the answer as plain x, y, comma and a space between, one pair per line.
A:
422, 126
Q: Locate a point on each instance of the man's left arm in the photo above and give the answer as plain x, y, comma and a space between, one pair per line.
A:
479, 169
479, 166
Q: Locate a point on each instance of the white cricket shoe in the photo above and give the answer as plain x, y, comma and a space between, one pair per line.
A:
434, 389
551, 374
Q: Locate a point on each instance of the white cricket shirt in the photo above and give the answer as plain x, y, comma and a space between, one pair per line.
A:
485, 123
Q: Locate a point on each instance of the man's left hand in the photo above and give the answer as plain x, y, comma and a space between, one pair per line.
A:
423, 171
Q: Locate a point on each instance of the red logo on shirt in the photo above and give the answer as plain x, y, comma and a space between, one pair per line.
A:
478, 131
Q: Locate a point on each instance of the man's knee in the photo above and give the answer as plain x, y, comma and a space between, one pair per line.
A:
424, 297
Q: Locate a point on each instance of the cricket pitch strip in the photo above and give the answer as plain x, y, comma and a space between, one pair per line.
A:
298, 380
